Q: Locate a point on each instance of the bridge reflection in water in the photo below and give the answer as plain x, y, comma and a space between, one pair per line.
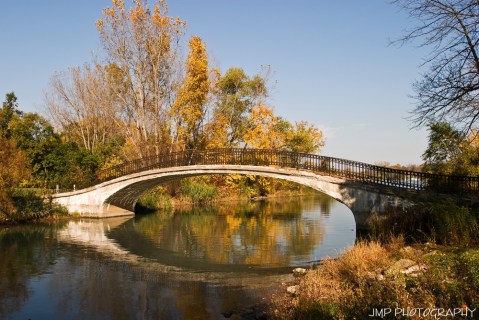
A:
150, 267
273, 236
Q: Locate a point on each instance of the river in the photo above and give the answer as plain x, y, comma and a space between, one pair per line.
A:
201, 263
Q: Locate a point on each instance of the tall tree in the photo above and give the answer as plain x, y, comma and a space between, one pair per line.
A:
82, 106
236, 95
142, 44
189, 109
7, 113
449, 90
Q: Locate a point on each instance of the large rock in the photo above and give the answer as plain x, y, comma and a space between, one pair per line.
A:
299, 272
407, 267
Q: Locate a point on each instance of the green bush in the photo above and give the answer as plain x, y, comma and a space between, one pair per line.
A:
155, 199
198, 191
28, 205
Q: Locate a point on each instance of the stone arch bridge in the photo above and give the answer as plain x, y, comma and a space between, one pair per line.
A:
364, 188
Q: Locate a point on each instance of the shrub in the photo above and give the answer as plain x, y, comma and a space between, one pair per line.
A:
443, 222
155, 199
198, 191
28, 205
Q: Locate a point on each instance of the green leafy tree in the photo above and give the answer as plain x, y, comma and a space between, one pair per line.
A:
300, 137
236, 95
7, 113
52, 161
450, 151
304, 137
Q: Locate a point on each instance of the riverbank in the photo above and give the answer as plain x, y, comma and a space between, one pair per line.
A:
393, 280
421, 262
29, 206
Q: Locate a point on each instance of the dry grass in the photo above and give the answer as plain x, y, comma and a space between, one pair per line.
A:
352, 285
372, 274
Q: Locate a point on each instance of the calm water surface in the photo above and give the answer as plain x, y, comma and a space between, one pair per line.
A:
203, 263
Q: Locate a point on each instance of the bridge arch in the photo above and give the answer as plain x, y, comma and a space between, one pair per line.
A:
364, 188
118, 197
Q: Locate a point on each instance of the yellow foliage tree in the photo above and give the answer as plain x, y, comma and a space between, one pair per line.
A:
142, 44
189, 109
262, 130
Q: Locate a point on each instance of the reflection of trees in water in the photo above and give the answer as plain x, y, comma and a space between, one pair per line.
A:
260, 233
24, 252
81, 283
90, 286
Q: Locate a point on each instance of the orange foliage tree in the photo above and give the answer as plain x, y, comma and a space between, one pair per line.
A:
13, 170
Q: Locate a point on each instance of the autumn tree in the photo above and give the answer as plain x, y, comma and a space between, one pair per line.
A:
262, 130
13, 162
449, 90
189, 109
82, 107
13, 170
236, 95
142, 44
450, 151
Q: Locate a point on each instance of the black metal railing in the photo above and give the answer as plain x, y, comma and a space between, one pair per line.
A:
351, 170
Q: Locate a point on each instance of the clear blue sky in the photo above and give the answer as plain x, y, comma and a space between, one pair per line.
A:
331, 60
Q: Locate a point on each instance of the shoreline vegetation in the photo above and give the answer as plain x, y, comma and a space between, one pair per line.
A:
422, 259
393, 276
30, 206
216, 189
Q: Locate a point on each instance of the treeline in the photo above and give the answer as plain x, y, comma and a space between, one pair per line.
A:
143, 98
32, 156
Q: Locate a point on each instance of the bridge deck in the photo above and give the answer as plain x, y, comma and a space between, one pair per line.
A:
335, 167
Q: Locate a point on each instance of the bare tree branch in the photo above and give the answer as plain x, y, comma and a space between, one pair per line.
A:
448, 90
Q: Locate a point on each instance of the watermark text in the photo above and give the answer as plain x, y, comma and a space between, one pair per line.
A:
435, 313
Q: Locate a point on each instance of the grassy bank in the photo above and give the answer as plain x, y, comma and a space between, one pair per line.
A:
372, 277
426, 256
